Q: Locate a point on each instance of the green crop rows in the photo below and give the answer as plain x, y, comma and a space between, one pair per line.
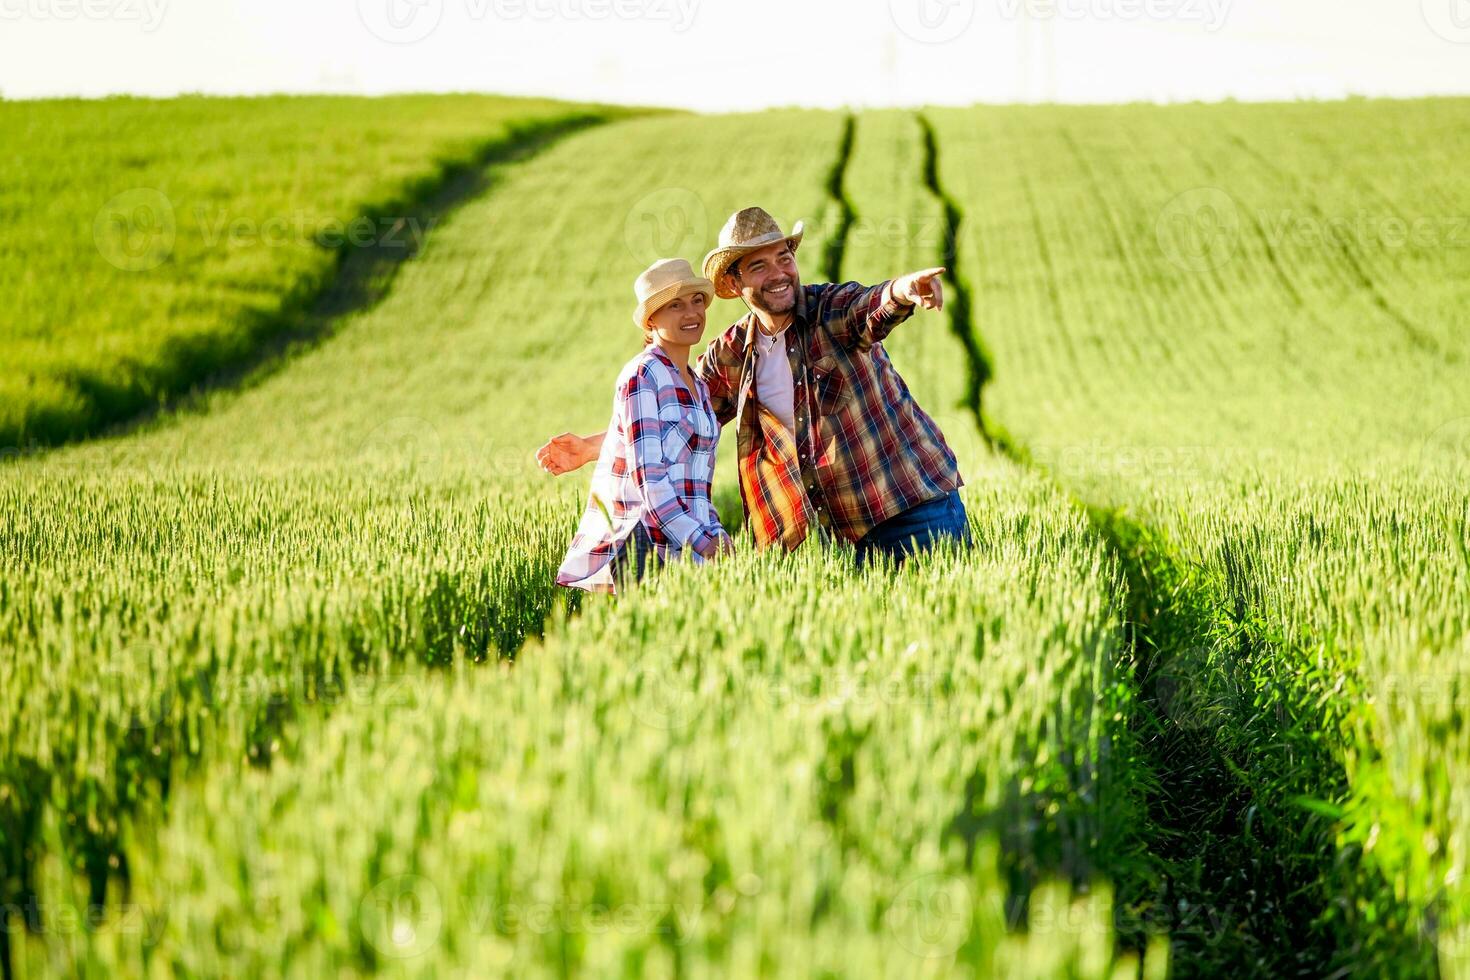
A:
151, 244
286, 689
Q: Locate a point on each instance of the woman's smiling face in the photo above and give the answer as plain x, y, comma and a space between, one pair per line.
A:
679, 321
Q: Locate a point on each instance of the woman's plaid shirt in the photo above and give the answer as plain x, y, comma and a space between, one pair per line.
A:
863, 450
655, 469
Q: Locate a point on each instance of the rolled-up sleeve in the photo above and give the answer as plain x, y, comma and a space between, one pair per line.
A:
666, 508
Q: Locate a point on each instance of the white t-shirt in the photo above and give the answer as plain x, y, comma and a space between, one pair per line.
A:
774, 387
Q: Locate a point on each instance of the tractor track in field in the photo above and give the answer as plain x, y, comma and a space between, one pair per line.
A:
837, 244
1243, 871
978, 362
362, 278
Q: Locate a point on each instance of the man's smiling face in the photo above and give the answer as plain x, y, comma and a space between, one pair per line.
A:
768, 279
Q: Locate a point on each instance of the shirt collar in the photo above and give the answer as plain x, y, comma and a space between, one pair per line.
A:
663, 355
752, 322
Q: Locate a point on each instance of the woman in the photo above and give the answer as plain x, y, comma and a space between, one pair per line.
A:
650, 495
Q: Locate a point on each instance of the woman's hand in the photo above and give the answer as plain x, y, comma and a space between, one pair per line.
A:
720, 546
568, 452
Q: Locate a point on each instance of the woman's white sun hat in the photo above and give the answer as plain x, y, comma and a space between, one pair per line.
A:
747, 230
662, 283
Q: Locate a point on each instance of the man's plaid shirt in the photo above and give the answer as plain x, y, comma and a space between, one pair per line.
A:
863, 451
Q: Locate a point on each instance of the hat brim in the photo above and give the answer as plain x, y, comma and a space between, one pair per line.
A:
669, 293
717, 262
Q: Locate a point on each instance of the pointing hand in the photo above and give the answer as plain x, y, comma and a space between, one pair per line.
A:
921, 289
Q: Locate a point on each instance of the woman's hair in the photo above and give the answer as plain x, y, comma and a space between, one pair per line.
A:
647, 336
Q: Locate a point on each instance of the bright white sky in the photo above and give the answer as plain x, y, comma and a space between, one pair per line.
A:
732, 54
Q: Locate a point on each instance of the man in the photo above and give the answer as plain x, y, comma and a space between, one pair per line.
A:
829, 436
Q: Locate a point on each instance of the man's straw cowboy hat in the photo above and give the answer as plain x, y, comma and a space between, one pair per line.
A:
745, 232
662, 283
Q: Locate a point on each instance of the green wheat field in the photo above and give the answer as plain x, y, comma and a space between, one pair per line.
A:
286, 688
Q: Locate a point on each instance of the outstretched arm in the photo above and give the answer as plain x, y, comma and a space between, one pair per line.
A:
568, 452
866, 316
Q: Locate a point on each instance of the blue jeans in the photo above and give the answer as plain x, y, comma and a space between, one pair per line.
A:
917, 529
